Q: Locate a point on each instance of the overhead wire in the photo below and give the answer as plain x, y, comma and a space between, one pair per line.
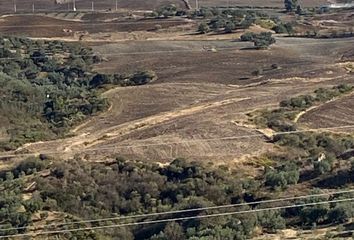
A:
175, 142
176, 219
186, 210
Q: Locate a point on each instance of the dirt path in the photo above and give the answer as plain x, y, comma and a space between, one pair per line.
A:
299, 115
89, 140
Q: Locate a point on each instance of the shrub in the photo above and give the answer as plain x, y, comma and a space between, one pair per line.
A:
247, 37
203, 28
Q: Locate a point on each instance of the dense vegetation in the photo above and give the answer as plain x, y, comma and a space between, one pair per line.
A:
81, 190
281, 119
91, 191
261, 41
47, 87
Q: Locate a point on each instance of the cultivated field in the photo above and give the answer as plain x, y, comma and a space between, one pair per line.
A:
208, 80
153, 121
336, 113
178, 87
106, 5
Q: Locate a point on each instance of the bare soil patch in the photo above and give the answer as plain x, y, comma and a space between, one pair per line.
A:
337, 113
85, 5
43, 26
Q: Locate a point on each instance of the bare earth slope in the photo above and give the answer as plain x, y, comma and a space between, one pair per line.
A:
336, 113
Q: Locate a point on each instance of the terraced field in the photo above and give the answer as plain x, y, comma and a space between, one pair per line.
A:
337, 113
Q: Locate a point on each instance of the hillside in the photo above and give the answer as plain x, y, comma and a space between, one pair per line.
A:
155, 122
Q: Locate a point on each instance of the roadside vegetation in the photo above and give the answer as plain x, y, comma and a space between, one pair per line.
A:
49, 86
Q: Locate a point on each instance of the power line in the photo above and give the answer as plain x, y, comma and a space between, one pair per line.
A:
178, 219
185, 210
178, 142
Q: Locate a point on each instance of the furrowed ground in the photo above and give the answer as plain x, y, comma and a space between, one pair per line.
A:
163, 116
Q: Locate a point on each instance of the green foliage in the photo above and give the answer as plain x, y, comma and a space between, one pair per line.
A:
10, 204
128, 187
229, 27
314, 215
29, 166
290, 5
229, 19
281, 119
271, 220
43, 94
203, 28
167, 11
282, 176
263, 40
341, 213
284, 28
248, 36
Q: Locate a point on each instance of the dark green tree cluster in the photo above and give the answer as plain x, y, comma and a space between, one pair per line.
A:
261, 41
226, 20
120, 188
282, 176
291, 5
280, 119
48, 86
128, 187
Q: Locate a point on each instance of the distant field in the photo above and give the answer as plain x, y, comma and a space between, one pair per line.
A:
41, 26
257, 3
26, 5
212, 90
192, 62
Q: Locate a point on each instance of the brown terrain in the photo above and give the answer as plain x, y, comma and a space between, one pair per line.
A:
154, 121
198, 107
106, 5
206, 80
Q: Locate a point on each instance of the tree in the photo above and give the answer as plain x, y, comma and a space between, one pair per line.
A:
313, 215
143, 77
341, 213
290, 5
203, 28
167, 11
247, 37
173, 231
263, 40
271, 220
230, 26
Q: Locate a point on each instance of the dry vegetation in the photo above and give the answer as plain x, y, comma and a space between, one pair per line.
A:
199, 106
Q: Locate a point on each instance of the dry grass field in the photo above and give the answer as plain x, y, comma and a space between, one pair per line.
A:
154, 121
47, 27
337, 113
207, 88
41, 5
207, 80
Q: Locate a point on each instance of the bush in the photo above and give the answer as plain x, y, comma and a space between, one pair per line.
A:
29, 166
229, 27
247, 37
263, 40
203, 28
282, 176
143, 77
